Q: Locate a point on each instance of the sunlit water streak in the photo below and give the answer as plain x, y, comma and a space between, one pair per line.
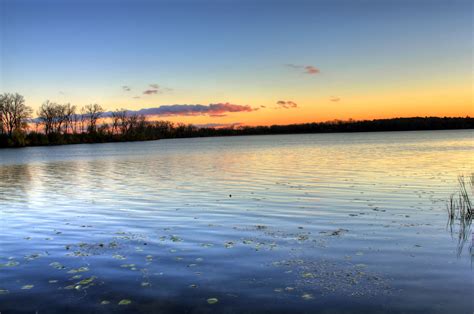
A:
294, 223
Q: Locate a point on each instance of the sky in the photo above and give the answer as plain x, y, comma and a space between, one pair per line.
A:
211, 62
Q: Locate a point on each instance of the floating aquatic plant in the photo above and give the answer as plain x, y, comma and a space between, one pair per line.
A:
212, 300
27, 287
87, 281
78, 270
57, 265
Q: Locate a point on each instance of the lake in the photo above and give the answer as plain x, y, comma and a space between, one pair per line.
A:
332, 223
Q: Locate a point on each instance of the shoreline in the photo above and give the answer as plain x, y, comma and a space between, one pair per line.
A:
236, 135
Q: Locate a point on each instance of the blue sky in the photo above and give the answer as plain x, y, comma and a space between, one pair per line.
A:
202, 52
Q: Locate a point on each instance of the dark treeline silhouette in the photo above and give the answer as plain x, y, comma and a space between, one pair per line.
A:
58, 124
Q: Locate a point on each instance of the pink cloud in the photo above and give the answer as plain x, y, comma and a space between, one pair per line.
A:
214, 110
307, 69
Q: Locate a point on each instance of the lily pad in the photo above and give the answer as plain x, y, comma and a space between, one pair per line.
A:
124, 302
175, 238
212, 300
307, 296
105, 302
4, 291
27, 287
87, 281
10, 264
57, 265
78, 270
118, 256
32, 257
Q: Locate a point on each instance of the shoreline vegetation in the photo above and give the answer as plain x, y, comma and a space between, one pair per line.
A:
61, 124
461, 212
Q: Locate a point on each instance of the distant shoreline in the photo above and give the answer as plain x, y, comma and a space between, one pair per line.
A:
154, 131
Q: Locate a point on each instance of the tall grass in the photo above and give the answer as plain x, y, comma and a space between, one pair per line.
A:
460, 211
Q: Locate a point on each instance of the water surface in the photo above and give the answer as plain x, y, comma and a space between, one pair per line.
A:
336, 223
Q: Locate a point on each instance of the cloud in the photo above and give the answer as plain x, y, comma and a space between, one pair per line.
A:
126, 88
307, 69
157, 89
219, 125
286, 104
213, 110
136, 97
335, 99
150, 92
294, 66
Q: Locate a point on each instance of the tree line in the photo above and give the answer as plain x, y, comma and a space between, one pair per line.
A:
57, 124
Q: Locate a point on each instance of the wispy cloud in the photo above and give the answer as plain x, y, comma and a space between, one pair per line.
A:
220, 125
156, 89
335, 99
307, 69
288, 104
150, 92
213, 110
126, 88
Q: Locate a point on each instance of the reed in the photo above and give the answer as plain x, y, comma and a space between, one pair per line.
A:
460, 211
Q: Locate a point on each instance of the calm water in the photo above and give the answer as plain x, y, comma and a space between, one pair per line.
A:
333, 223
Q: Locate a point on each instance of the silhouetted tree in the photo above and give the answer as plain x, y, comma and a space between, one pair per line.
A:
69, 115
13, 113
93, 112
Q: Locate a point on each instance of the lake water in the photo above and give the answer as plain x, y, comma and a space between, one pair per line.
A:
333, 223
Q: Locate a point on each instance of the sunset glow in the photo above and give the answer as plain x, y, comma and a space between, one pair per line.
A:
328, 60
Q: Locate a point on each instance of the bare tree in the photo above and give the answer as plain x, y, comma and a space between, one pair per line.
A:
60, 119
14, 113
47, 115
69, 114
93, 112
118, 121
75, 120
2, 105
83, 119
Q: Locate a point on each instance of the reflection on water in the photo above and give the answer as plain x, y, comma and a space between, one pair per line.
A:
340, 222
